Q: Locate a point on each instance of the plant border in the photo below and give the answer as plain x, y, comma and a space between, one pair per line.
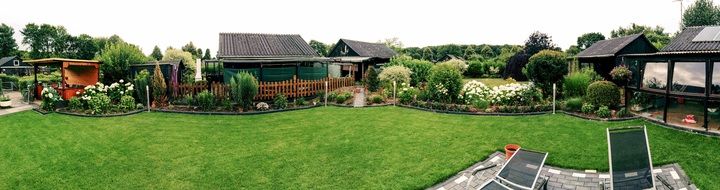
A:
102, 115
235, 113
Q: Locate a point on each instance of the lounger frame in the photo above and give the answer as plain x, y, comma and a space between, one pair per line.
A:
647, 144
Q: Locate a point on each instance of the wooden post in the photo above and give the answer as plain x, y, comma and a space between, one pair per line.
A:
326, 92
147, 95
554, 89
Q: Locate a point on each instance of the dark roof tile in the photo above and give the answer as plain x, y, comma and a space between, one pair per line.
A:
263, 45
609, 47
366, 49
683, 42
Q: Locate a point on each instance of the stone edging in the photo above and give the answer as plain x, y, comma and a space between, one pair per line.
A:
598, 119
40, 111
235, 113
104, 115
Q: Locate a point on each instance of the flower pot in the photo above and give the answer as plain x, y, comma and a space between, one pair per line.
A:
5, 103
510, 150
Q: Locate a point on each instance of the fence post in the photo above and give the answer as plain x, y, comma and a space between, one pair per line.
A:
394, 92
147, 95
554, 89
326, 92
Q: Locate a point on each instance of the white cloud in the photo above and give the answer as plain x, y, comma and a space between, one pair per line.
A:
416, 23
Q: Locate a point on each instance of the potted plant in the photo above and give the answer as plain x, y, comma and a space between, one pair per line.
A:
5, 101
510, 150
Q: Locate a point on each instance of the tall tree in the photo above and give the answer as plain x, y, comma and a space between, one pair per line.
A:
573, 50
207, 54
470, 53
190, 48
8, 46
188, 60
487, 51
701, 13
198, 53
319, 47
156, 54
428, 54
86, 47
537, 42
657, 35
39, 39
588, 39
394, 43
117, 59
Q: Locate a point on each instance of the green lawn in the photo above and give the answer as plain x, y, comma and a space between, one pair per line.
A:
322, 148
491, 82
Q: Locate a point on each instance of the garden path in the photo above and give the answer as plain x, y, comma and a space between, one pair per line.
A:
17, 104
559, 178
359, 100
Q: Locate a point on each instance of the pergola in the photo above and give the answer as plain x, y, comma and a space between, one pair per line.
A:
75, 75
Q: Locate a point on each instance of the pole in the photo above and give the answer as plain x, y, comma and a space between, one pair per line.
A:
394, 92
554, 90
326, 92
147, 95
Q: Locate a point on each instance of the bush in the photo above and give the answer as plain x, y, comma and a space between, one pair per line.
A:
342, 97
99, 104
159, 87
75, 104
603, 112
575, 84
50, 98
603, 93
473, 91
301, 102
587, 108
515, 65
475, 69
458, 65
280, 101
420, 69
248, 88
141, 81
400, 74
262, 106
376, 99
372, 81
481, 104
205, 100
545, 68
444, 83
332, 96
494, 68
623, 113
406, 94
127, 103
574, 104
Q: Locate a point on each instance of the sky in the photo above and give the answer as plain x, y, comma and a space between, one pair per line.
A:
416, 23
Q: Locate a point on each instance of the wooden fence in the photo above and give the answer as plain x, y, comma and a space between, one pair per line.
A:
267, 90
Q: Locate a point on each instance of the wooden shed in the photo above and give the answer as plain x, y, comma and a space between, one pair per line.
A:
172, 70
13, 65
355, 57
603, 55
75, 75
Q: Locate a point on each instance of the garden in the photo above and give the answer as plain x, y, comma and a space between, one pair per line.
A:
392, 148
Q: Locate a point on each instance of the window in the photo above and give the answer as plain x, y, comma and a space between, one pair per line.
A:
647, 105
715, 88
634, 67
686, 112
655, 75
16, 63
689, 77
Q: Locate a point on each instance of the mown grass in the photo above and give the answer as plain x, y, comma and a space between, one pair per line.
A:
322, 148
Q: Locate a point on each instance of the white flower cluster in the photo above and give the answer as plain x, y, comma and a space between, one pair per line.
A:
117, 89
440, 88
50, 93
509, 94
262, 106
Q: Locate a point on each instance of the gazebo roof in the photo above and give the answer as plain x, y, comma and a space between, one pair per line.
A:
50, 61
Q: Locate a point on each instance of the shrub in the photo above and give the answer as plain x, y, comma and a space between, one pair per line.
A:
587, 108
574, 104
494, 68
50, 98
119, 89
159, 88
372, 81
458, 65
515, 94
420, 69
301, 102
376, 99
99, 104
127, 103
444, 83
575, 84
515, 66
545, 68
226, 103
621, 74
481, 104
603, 93
473, 91
75, 104
623, 113
280, 101
603, 112
332, 96
400, 74
262, 106
475, 69
248, 88
406, 94
141, 81
342, 97
205, 100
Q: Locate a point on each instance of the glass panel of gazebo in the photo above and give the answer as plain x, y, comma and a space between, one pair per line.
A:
686, 111
655, 75
648, 105
634, 67
715, 88
689, 77
713, 115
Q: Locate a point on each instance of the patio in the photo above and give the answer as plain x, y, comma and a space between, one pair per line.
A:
560, 178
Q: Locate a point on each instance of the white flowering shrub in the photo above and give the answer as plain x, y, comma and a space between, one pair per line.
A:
473, 91
262, 106
50, 98
100, 97
515, 94
406, 93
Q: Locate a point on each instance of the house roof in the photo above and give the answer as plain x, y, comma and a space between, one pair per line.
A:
367, 49
6, 59
609, 47
683, 42
263, 45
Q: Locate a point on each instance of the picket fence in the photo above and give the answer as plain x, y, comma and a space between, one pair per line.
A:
267, 90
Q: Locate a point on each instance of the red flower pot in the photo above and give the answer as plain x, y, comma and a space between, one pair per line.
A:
510, 150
